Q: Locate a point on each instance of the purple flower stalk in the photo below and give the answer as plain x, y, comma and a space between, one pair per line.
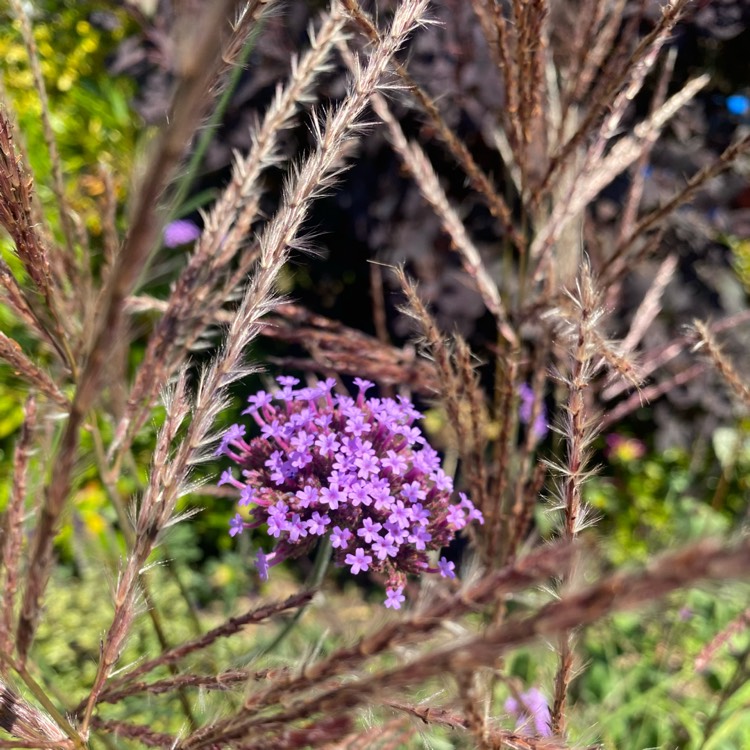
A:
526, 408
531, 712
355, 470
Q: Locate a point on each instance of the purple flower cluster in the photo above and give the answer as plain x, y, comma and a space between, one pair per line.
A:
354, 469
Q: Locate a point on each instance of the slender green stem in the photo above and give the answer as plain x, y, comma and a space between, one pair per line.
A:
322, 560
182, 188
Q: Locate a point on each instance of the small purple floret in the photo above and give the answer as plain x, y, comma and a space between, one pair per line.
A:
394, 598
236, 525
447, 568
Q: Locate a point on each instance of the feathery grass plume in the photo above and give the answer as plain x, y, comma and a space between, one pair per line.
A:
653, 360
308, 180
15, 213
639, 170
497, 737
495, 29
424, 175
11, 540
474, 699
709, 651
621, 258
19, 220
477, 178
229, 628
202, 287
11, 352
226, 681
32, 727
15, 298
336, 347
139, 732
532, 569
187, 109
597, 170
650, 306
627, 78
536, 567
459, 393
579, 430
154, 514
69, 262
720, 361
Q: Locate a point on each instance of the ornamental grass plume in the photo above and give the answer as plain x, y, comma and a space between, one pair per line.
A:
353, 470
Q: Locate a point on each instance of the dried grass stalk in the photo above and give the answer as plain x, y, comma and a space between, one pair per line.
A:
188, 106
11, 541
198, 293
720, 361
10, 351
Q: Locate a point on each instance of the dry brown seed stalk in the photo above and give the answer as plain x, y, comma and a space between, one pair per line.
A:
188, 106
720, 361
232, 626
154, 513
144, 735
348, 351
197, 295
478, 179
58, 184
229, 680
737, 625
597, 171
622, 78
12, 539
309, 180
453, 392
11, 352
15, 212
424, 175
22, 720
617, 262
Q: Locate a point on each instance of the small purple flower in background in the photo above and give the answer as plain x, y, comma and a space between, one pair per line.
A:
540, 427
181, 232
685, 614
355, 470
531, 712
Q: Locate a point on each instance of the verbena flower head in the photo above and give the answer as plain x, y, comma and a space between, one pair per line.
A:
355, 470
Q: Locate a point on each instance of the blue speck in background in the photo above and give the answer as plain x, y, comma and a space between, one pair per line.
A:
738, 104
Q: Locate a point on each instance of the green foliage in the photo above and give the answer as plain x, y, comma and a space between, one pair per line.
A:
90, 113
650, 504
